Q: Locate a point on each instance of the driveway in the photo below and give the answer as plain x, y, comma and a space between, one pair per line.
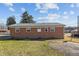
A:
71, 49
68, 48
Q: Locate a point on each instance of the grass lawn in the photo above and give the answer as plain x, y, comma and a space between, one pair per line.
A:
27, 48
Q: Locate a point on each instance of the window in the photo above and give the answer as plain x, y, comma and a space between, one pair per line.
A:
52, 29
17, 29
39, 30
28, 29
46, 29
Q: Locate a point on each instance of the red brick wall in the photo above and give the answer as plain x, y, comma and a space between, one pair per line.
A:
57, 34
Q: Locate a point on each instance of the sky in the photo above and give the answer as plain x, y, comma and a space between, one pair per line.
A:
65, 13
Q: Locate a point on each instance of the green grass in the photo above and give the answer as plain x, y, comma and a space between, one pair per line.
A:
27, 48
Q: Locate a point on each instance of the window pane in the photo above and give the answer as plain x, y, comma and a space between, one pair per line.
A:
38, 30
46, 29
28, 29
17, 29
52, 29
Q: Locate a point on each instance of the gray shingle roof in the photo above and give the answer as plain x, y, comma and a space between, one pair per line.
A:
35, 24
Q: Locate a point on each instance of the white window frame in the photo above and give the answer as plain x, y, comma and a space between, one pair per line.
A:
53, 29
28, 29
17, 29
39, 30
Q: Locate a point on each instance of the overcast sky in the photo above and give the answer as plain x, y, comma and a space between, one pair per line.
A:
43, 13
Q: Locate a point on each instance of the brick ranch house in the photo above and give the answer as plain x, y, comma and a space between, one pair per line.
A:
37, 30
